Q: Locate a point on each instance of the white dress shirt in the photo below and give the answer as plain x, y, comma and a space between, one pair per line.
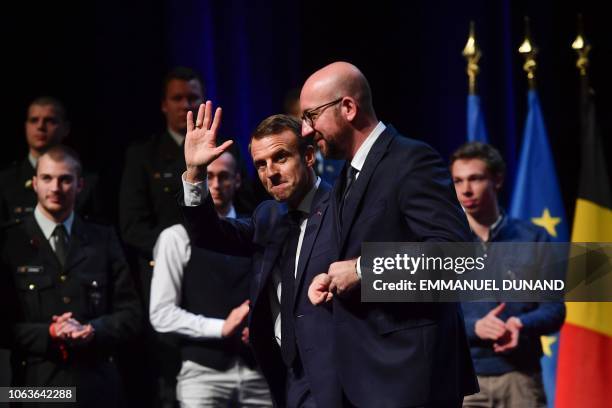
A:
47, 226
172, 253
194, 195
360, 158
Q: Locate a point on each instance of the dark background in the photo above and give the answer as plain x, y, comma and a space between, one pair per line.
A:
105, 60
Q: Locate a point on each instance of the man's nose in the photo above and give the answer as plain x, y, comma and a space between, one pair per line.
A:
55, 185
467, 190
306, 128
271, 171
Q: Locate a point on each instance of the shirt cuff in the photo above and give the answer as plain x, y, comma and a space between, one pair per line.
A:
194, 193
358, 267
215, 328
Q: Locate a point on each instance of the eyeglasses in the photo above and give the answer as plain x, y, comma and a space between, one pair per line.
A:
310, 116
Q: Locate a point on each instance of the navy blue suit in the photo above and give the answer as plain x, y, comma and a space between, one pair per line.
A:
400, 354
262, 237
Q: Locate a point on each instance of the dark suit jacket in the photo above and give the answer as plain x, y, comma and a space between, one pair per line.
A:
95, 285
262, 237
400, 354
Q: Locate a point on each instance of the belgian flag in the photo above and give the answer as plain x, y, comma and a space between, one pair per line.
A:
584, 372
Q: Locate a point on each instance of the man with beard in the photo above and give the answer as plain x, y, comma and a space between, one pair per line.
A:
392, 189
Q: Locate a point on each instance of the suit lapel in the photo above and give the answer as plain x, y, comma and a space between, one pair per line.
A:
273, 248
335, 199
39, 242
315, 218
359, 188
78, 248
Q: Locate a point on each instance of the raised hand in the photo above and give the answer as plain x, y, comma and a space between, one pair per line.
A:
201, 141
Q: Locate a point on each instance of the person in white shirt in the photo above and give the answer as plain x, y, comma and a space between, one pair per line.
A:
200, 295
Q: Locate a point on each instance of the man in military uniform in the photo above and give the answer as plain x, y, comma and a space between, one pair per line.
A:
71, 295
151, 178
46, 126
147, 205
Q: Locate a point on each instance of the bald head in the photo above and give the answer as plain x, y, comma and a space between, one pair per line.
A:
337, 80
336, 104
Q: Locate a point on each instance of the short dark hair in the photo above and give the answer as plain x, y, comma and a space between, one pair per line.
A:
234, 151
61, 153
50, 100
483, 151
276, 124
182, 73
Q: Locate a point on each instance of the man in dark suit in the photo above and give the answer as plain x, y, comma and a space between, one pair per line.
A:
289, 241
392, 189
71, 293
46, 125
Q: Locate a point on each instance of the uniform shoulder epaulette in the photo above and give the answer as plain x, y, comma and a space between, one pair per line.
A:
10, 223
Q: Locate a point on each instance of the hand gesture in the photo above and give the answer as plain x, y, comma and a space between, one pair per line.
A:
62, 326
201, 141
511, 339
319, 290
491, 327
235, 319
84, 335
343, 276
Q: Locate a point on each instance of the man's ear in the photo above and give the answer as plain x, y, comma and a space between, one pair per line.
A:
499, 182
237, 180
349, 108
309, 156
35, 183
67, 127
80, 184
163, 106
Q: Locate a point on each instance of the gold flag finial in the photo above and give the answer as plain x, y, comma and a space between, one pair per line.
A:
529, 51
582, 48
472, 54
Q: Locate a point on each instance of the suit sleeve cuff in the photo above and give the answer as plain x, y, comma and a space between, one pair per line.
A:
194, 193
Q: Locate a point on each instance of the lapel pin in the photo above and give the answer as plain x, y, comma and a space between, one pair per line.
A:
34, 242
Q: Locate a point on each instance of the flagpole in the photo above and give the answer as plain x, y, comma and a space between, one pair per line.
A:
472, 55
529, 51
582, 48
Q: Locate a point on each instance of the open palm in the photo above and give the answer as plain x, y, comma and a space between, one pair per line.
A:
201, 139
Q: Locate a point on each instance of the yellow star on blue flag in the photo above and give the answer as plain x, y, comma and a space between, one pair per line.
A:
547, 222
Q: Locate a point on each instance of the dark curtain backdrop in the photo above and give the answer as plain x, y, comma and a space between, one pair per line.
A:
106, 60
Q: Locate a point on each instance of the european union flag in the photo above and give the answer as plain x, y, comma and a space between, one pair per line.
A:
537, 198
476, 130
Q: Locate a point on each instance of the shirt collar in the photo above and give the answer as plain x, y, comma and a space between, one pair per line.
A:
231, 213
33, 160
307, 200
178, 138
47, 226
362, 153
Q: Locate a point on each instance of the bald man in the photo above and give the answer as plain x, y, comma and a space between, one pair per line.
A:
392, 189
